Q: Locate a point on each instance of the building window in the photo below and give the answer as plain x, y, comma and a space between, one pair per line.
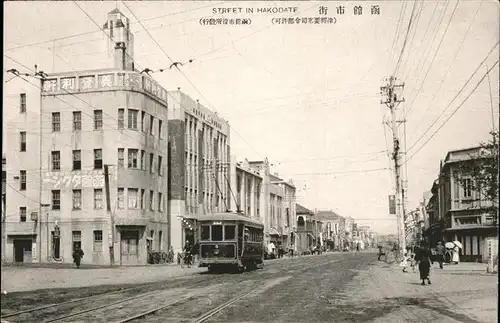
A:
97, 119
22, 214
160, 240
132, 158
23, 103
143, 121
151, 200
56, 160
77, 199
121, 157
143, 199
121, 118
151, 163
77, 120
132, 197
56, 121
56, 200
143, 160
77, 240
98, 198
97, 158
23, 181
160, 200
121, 198
151, 124
77, 159
97, 240
160, 166
132, 118
467, 187
160, 124
22, 141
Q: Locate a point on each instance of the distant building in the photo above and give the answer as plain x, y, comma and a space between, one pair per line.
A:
55, 182
199, 165
334, 225
246, 184
305, 238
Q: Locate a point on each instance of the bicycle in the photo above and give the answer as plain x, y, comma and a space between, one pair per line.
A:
187, 260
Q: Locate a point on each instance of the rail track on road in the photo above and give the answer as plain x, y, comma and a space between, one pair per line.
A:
87, 309
163, 309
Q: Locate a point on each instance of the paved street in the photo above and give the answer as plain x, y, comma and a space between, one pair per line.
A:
333, 287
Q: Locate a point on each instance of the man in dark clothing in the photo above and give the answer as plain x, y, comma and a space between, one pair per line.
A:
77, 256
380, 252
440, 250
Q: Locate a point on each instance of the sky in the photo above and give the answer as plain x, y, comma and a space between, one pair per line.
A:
305, 96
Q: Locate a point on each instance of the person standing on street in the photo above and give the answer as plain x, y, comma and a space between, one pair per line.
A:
423, 257
440, 250
77, 256
357, 247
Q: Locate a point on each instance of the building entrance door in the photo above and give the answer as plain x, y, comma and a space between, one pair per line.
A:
22, 250
129, 250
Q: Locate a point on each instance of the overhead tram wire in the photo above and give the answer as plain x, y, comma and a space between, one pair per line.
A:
413, 72
182, 73
168, 93
432, 61
99, 30
453, 113
455, 97
449, 68
73, 95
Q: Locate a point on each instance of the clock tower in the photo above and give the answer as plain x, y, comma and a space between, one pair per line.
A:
120, 40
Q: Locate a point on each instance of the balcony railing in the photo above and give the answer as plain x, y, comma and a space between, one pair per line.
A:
464, 204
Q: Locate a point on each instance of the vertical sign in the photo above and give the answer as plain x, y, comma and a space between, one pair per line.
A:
392, 204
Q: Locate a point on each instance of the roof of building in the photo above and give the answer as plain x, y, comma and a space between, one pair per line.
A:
328, 215
229, 216
299, 209
116, 10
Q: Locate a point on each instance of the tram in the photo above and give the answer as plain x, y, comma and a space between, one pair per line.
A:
230, 240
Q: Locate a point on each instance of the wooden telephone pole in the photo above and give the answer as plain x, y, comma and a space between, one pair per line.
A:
392, 102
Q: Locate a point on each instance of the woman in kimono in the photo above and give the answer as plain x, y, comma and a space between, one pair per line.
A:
455, 257
423, 257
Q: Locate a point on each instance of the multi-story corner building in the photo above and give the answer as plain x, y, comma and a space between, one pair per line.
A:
459, 211
56, 186
246, 184
305, 238
199, 167
287, 211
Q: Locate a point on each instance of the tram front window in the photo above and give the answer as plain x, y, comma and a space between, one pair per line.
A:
205, 232
229, 232
216, 232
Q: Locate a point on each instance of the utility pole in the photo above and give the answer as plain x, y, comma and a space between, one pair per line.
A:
392, 102
111, 217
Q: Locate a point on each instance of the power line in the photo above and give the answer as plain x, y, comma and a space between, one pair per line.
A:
455, 97
419, 15
453, 113
449, 68
432, 61
396, 34
406, 38
96, 31
347, 172
425, 53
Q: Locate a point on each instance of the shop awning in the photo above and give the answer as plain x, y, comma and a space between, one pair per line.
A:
273, 232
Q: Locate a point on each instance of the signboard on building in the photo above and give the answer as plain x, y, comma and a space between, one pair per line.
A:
392, 204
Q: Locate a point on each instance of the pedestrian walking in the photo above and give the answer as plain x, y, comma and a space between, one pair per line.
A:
77, 256
380, 251
404, 263
440, 250
423, 257
357, 247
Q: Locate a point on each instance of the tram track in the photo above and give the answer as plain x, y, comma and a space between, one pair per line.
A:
113, 306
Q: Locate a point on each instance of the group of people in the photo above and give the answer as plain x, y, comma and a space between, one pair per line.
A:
422, 257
